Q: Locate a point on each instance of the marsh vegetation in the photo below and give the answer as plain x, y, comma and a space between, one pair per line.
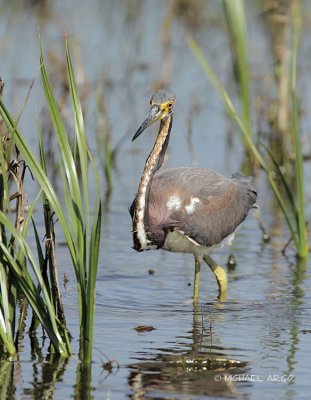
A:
72, 293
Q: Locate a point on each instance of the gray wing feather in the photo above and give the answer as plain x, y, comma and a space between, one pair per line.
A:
223, 203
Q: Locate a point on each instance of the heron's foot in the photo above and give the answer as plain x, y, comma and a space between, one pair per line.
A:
221, 277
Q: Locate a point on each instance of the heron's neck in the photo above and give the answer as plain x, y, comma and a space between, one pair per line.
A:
156, 157
153, 163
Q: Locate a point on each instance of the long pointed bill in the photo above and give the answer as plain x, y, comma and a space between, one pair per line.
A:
154, 115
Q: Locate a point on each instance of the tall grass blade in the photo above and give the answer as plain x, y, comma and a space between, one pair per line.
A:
224, 97
67, 156
4, 186
235, 17
83, 160
76, 210
6, 333
7, 387
91, 250
7, 300
303, 248
93, 266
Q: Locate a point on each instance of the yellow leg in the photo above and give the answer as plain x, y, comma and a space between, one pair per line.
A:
220, 275
196, 284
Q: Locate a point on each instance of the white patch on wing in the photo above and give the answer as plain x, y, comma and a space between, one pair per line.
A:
173, 203
194, 202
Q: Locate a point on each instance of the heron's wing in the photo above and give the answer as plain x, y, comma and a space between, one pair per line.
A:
206, 206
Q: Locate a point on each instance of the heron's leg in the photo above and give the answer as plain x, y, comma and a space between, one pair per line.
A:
221, 276
196, 284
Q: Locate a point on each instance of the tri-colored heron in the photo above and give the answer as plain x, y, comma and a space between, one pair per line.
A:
188, 210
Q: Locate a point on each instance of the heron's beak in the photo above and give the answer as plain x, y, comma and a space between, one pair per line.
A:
154, 115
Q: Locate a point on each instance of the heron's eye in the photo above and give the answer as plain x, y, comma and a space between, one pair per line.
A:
169, 106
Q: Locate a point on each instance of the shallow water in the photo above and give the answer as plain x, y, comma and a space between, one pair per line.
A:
256, 343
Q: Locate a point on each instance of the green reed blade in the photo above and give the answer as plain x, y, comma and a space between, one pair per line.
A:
92, 275
29, 214
6, 333
4, 180
91, 250
223, 94
235, 17
83, 150
303, 249
66, 153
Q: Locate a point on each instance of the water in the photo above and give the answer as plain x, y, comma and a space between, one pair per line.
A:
255, 344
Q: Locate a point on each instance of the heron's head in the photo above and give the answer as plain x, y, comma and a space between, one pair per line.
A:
162, 103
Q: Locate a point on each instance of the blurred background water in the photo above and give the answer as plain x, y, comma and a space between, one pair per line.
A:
123, 50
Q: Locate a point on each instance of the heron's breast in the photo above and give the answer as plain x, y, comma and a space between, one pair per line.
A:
178, 242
